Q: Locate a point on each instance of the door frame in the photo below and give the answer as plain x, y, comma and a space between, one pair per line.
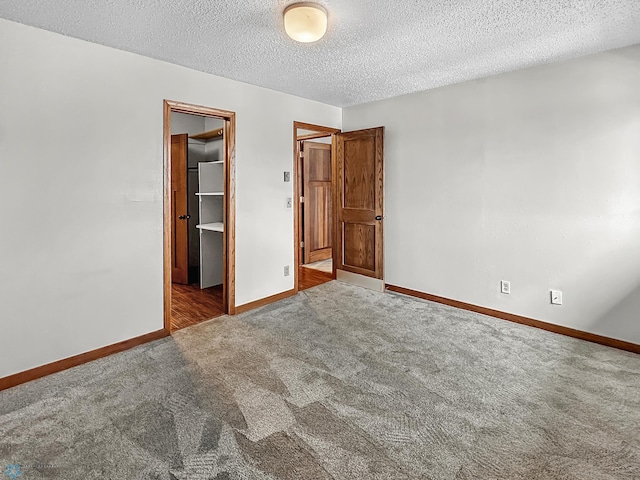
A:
229, 235
304, 166
321, 132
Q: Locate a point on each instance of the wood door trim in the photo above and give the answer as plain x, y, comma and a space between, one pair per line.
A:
296, 191
66, 363
308, 146
313, 136
314, 128
298, 210
229, 236
337, 207
304, 209
550, 327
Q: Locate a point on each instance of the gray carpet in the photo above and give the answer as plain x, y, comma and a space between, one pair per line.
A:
337, 382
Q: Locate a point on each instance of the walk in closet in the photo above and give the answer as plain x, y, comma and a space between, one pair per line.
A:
211, 209
203, 194
198, 234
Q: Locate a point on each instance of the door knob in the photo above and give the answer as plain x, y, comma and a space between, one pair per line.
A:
378, 217
184, 217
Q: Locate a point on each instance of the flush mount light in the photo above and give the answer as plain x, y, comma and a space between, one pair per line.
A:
305, 22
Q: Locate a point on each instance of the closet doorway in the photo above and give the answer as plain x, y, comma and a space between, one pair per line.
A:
314, 216
199, 265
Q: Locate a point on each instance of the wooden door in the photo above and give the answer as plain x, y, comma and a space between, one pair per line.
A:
179, 216
359, 203
316, 208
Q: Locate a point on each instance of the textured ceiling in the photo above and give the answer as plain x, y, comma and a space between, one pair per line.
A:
373, 49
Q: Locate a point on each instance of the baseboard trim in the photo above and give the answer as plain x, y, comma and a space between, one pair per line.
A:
66, 363
550, 327
265, 301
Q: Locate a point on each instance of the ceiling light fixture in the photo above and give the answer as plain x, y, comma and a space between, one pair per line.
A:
305, 22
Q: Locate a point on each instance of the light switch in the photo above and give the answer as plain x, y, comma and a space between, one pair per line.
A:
556, 297
287, 176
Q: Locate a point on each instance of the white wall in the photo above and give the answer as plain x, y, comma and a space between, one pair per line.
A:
185, 123
81, 190
532, 177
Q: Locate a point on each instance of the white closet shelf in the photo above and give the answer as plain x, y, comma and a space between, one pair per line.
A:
200, 194
213, 227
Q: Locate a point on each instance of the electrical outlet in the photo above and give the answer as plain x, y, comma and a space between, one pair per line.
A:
556, 297
286, 270
287, 176
505, 287
289, 202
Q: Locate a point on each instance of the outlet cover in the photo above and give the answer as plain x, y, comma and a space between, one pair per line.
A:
505, 287
286, 270
289, 202
556, 297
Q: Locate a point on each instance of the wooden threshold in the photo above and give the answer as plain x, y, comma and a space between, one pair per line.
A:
550, 327
265, 301
64, 364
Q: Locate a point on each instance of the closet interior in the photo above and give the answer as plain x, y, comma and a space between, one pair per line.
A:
198, 295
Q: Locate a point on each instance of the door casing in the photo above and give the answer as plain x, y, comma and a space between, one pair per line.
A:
309, 185
229, 236
321, 132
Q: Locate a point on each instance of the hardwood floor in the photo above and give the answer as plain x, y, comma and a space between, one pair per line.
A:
191, 305
308, 277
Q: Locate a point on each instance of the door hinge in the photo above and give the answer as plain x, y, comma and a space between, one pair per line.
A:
301, 244
301, 154
301, 199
